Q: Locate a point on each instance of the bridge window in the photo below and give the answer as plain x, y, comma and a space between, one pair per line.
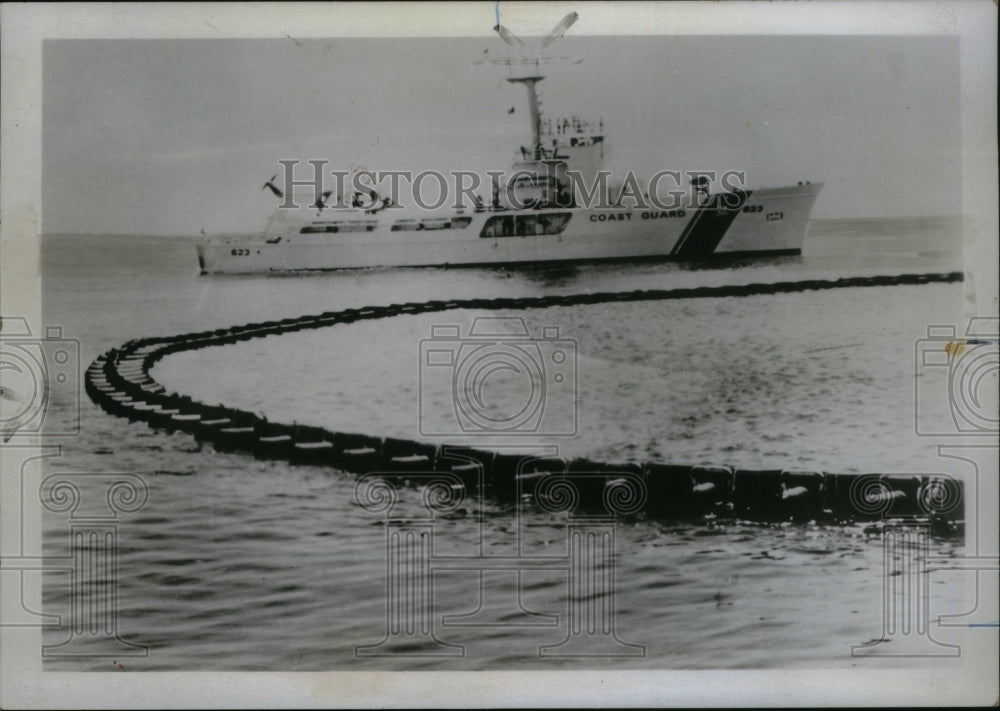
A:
548, 223
553, 223
498, 227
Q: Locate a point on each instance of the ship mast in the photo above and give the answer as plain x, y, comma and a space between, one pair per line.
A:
530, 81
536, 116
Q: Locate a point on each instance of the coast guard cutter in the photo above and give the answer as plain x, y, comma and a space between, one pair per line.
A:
553, 209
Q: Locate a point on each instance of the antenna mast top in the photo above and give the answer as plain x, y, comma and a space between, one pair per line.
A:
532, 61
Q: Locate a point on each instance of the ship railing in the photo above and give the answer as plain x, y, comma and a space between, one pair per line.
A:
570, 126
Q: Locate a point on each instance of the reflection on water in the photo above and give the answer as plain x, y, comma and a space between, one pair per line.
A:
551, 275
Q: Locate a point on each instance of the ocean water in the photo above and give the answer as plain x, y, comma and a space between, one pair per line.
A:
239, 564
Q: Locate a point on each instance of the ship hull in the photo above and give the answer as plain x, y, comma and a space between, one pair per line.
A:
764, 222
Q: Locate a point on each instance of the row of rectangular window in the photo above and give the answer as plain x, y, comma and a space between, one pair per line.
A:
440, 223
454, 223
553, 223
352, 226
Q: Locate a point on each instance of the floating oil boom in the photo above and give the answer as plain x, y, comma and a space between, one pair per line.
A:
120, 382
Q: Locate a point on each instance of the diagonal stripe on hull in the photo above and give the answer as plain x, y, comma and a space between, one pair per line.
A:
707, 228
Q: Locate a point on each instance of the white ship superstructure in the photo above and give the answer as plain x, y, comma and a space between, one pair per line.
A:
541, 215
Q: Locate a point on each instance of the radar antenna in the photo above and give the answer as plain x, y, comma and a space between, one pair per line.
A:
559, 30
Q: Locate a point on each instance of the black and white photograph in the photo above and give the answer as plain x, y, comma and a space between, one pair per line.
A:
348, 349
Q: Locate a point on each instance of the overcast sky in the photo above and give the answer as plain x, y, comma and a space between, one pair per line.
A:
178, 136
